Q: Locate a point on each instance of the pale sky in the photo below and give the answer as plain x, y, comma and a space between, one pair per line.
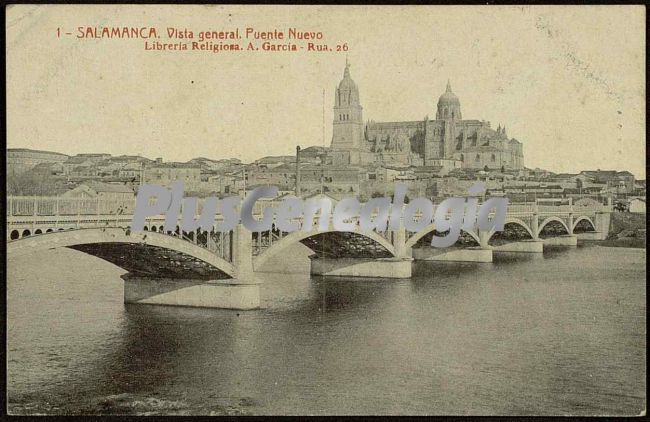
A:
568, 82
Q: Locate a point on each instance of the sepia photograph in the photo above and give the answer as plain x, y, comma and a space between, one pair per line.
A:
242, 210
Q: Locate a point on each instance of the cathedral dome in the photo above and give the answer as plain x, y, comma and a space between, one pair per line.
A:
448, 98
448, 105
347, 93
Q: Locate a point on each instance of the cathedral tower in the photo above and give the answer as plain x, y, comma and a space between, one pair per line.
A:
449, 112
347, 133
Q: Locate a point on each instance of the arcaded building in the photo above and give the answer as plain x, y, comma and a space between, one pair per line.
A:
472, 143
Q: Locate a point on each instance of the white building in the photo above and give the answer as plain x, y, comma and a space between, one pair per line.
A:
637, 205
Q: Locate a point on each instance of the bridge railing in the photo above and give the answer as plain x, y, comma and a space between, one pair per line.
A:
218, 243
53, 206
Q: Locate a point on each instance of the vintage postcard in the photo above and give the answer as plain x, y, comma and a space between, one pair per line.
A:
325, 210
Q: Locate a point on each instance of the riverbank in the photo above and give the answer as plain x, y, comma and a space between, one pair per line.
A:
626, 230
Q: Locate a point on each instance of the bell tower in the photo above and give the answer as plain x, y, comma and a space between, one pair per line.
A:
449, 112
347, 131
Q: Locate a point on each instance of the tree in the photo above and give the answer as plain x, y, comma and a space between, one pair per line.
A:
620, 206
33, 183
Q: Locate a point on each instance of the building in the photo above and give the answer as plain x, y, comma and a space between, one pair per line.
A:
527, 193
313, 154
616, 181
221, 184
101, 190
131, 170
164, 174
95, 157
283, 176
384, 174
637, 205
335, 179
76, 164
275, 161
473, 143
20, 160
209, 165
49, 169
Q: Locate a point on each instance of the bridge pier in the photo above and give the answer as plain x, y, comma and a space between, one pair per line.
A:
240, 292
398, 266
362, 267
603, 221
595, 235
525, 246
481, 253
566, 240
193, 293
472, 254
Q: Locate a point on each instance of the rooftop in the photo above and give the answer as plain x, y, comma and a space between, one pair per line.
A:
108, 187
174, 165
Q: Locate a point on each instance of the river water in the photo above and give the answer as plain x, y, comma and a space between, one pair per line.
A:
558, 334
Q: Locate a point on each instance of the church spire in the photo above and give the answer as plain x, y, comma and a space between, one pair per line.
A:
346, 72
448, 86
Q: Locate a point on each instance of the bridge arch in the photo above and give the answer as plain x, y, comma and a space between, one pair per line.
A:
300, 235
583, 218
81, 239
430, 228
518, 222
551, 219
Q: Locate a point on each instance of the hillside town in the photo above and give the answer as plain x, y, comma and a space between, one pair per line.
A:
43, 173
436, 158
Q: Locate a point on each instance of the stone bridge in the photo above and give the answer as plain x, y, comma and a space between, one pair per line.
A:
216, 269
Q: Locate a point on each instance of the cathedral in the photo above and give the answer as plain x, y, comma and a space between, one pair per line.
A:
447, 139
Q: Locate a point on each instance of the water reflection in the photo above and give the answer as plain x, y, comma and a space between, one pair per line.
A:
515, 258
